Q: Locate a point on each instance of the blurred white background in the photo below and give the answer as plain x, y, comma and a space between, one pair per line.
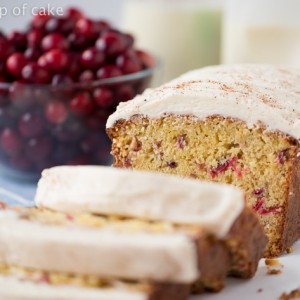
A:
107, 9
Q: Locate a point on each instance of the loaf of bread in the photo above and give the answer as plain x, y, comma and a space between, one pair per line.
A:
232, 124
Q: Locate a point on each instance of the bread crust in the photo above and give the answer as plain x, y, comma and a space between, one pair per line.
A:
247, 242
291, 227
169, 291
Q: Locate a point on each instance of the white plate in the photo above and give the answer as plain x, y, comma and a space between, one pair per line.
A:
261, 287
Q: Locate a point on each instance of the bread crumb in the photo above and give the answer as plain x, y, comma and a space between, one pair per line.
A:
274, 267
291, 295
289, 250
274, 271
272, 262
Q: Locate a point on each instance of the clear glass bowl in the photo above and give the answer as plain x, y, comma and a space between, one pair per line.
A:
42, 126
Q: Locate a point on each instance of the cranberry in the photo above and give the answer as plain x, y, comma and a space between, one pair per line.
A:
103, 97
86, 27
129, 62
10, 141
127, 163
281, 157
61, 80
33, 73
259, 207
39, 21
124, 92
32, 54
63, 25
271, 210
101, 26
74, 68
70, 131
38, 149
20, 162
52, 25
18, 39
73, 13
34, 38
54, 41
67, 25
86, 76
42, 62
21, 95
56, 60
229, 164
31, 125
92, 58
172, 164
15, 64
259, 192
109, 71
56, 112
81, 104
77, 41
6, 49
181, 141
112, 43
41, 94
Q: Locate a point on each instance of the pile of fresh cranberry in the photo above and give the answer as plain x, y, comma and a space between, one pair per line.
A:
56, 89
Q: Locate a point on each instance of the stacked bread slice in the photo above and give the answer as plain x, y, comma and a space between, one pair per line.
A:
105, 233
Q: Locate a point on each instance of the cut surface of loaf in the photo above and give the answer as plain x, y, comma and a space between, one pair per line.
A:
232, 124
162, 199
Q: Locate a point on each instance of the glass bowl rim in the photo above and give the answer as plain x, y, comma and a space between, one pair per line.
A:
95, 83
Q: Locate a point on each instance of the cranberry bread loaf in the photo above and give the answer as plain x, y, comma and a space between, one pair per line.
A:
161, 198
233, 124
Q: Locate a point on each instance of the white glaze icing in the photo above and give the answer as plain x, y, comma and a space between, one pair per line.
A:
107, 190
103, 252
251, 93
13, 289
